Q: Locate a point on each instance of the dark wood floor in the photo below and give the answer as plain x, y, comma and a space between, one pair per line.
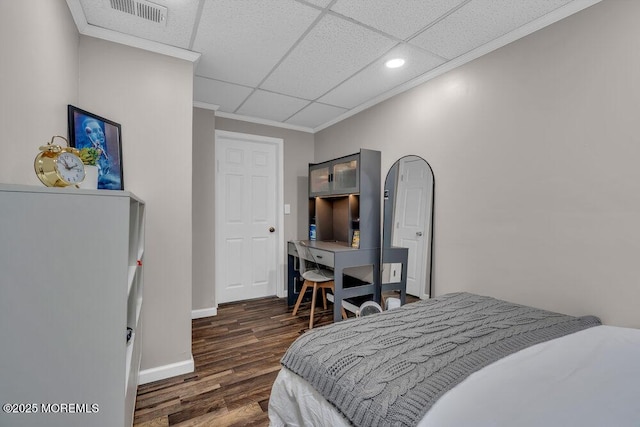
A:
237, 357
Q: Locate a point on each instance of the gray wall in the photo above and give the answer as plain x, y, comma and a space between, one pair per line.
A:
150, 95
535, 151
38, 78
204, 122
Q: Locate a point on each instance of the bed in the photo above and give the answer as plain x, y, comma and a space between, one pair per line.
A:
461, 360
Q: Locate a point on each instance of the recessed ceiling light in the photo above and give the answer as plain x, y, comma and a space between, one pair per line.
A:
394, 63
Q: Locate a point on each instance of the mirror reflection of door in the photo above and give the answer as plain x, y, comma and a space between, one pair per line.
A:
408, 218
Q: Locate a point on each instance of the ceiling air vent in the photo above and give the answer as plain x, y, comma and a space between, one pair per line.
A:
142, 9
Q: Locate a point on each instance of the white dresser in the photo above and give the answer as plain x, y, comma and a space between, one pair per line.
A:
71, 277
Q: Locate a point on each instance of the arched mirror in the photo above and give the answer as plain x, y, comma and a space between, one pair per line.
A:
408, 221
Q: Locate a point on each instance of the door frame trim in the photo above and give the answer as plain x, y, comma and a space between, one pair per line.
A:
279, 143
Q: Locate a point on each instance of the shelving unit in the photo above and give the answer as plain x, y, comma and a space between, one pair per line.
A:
336, 218
72, 282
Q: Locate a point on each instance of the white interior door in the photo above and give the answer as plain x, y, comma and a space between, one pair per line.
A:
246, 217
412, 216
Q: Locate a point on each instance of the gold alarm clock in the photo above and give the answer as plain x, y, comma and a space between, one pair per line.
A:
58, 166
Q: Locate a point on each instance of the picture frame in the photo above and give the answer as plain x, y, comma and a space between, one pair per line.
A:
90, 130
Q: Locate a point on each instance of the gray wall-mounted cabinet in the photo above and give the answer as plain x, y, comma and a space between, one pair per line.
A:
344, 198
335, 177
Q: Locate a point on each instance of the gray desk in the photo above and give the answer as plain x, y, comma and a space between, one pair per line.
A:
337, 255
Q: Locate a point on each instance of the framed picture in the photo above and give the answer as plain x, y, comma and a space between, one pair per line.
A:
89, 130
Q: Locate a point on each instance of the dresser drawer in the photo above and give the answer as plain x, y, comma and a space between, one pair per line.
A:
322, 257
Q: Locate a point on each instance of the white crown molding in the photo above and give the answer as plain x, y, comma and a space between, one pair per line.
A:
263, 122
155, 47
78, 14
87, 29
525, 30
205, 105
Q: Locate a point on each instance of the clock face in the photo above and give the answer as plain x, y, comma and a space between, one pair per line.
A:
70, 168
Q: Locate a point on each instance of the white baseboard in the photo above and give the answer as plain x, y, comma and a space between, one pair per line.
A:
204, 312
166, 371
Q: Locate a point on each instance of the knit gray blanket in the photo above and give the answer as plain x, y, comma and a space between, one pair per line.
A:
389, 369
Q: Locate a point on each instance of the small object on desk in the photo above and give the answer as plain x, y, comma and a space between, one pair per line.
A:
355, 242
312, 232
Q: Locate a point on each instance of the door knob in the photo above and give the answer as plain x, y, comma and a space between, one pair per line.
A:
418, 233
272, 229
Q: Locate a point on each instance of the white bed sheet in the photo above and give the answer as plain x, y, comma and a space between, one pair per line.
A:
589, 378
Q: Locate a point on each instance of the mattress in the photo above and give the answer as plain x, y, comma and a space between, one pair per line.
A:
588, 378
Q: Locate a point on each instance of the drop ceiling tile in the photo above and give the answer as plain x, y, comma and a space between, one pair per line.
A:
315, 115
177, 31
241, 41
400, 18
377, 79
228, 96
332, 51
479, 22
320, 3
272, 106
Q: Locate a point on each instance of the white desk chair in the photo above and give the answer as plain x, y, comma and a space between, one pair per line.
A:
320, 278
